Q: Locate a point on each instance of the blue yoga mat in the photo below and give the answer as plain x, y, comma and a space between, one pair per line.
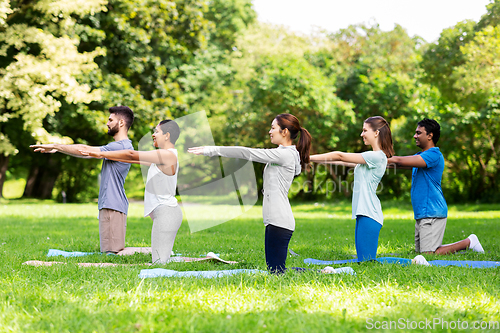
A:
465, 263
161, 272
405, 262
55, 253
383, 260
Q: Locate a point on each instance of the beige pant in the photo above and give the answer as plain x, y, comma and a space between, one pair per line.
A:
112, 229
429, 233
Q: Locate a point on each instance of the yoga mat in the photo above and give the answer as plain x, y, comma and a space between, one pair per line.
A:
161, 272
125, 252
82, 264
210, 256
465, 263
405, 262
383, 260
329, 262
128, 251
55, 253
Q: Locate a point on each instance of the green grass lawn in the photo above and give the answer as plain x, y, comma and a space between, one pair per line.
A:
69, 298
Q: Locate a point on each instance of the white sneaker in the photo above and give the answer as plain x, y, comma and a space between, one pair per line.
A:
212, 255
340, 270
474, 244
420, 260
328, 270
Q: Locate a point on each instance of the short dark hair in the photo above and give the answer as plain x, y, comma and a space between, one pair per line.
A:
125, 113
170, 126
431, 126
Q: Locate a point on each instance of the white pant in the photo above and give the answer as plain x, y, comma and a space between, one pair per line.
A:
166, 222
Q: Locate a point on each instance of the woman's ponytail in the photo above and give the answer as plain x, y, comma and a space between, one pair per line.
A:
304, 146
290, 122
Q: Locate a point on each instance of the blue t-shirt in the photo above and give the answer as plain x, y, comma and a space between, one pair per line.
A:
426, 195
113, 174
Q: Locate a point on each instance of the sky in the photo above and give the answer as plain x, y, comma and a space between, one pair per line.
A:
425, 18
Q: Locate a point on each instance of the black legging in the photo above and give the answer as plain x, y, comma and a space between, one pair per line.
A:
276, 243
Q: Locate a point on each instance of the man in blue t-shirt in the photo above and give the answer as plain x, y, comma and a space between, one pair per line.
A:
112, 203
429, 205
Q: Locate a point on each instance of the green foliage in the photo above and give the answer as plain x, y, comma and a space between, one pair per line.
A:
39, 68
141, 47
441, 58
6, 147
378, 74
5, 10
463, 66
477, 79
63, 65
228, 19
206, 81
292, 85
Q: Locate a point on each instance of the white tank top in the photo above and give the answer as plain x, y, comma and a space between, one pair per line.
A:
160, 188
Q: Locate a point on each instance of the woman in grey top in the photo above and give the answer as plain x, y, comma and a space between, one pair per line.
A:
283, 164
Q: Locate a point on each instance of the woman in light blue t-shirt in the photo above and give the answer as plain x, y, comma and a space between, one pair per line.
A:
369, 168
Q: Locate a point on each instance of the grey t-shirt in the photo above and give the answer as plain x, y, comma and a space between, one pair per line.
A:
113, 174
282, 165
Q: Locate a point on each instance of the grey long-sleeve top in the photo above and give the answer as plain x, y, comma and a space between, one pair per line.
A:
282, 165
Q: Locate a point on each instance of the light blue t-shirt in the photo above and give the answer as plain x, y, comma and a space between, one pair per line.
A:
426, 194
113, 174
366, 179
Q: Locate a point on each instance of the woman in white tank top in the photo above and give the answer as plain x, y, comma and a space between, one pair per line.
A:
159, 196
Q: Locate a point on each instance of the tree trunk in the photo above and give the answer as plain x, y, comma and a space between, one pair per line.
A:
4, 163
41, 179
30, 181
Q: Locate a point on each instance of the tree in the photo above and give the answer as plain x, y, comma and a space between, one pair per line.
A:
40, 65
157, 60
463, 65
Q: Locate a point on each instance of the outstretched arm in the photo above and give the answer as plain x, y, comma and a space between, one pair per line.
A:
278, 156
72, 150
158, 157
346, 164
406, 162
348, 159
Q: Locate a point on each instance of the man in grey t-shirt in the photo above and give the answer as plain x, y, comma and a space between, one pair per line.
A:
113, 203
